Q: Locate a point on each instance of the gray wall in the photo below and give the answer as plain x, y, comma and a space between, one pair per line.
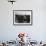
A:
37, 31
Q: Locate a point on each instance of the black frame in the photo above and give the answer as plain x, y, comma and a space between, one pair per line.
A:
24, 24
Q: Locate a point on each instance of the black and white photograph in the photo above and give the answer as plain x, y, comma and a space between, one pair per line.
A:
22, 17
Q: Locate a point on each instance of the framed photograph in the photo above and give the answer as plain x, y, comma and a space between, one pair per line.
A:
22, 17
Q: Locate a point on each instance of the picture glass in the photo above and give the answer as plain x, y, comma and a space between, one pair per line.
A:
22, 17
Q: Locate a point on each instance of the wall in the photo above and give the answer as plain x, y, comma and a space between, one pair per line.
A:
37, 31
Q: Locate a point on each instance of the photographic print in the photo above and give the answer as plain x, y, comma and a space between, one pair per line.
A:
22, 17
